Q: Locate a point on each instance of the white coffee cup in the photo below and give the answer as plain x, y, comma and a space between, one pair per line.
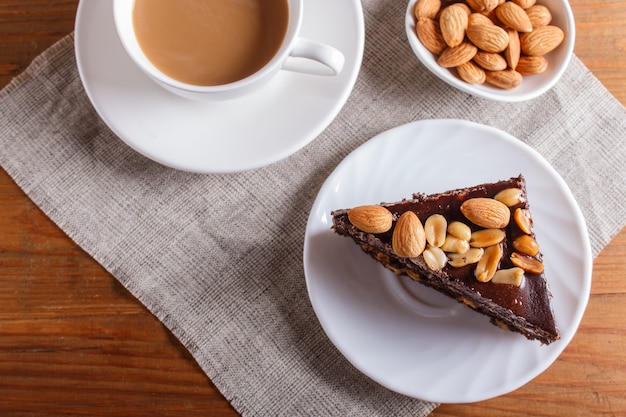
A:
292, 46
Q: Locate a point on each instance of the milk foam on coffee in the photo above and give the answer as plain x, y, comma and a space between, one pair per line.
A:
210, 42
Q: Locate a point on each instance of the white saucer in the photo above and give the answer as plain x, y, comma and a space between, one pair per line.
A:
410, 338
233, 136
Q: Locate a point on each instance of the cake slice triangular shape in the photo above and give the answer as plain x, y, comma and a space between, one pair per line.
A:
476, 245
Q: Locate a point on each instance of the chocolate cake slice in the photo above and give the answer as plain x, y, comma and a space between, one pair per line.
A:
476, 245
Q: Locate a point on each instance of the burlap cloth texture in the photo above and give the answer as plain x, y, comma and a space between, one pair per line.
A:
218, 258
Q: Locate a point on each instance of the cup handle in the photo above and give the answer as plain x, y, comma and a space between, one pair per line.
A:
320, 52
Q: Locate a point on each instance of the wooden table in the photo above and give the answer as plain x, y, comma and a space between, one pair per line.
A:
73, 341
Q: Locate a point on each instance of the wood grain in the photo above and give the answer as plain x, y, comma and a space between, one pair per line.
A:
75, 342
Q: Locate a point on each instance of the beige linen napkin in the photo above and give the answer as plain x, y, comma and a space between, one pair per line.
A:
218, 258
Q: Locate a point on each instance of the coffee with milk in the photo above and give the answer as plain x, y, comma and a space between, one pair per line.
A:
210, 42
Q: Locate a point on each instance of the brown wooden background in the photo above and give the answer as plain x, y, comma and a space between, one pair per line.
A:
73, 341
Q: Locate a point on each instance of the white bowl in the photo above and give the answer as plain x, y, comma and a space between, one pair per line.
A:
532, 85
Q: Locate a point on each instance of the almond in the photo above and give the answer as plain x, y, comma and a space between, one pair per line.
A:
453, 23
529, 65
513, 50
471, 73
486, 212
506, 79
489, 38
453, 57
409, 238
541, 40
539, 15
491, 15
429, 34
514, 17
524, 4
371, 219
490, 61
427, 8
482, 5
478, 19
465, 7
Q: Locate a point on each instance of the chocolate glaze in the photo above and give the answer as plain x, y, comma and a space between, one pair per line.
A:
525, 309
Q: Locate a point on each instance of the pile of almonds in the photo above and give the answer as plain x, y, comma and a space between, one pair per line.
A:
493, 41
442, 243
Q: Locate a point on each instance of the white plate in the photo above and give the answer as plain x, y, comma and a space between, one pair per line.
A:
233, 136
405, 336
